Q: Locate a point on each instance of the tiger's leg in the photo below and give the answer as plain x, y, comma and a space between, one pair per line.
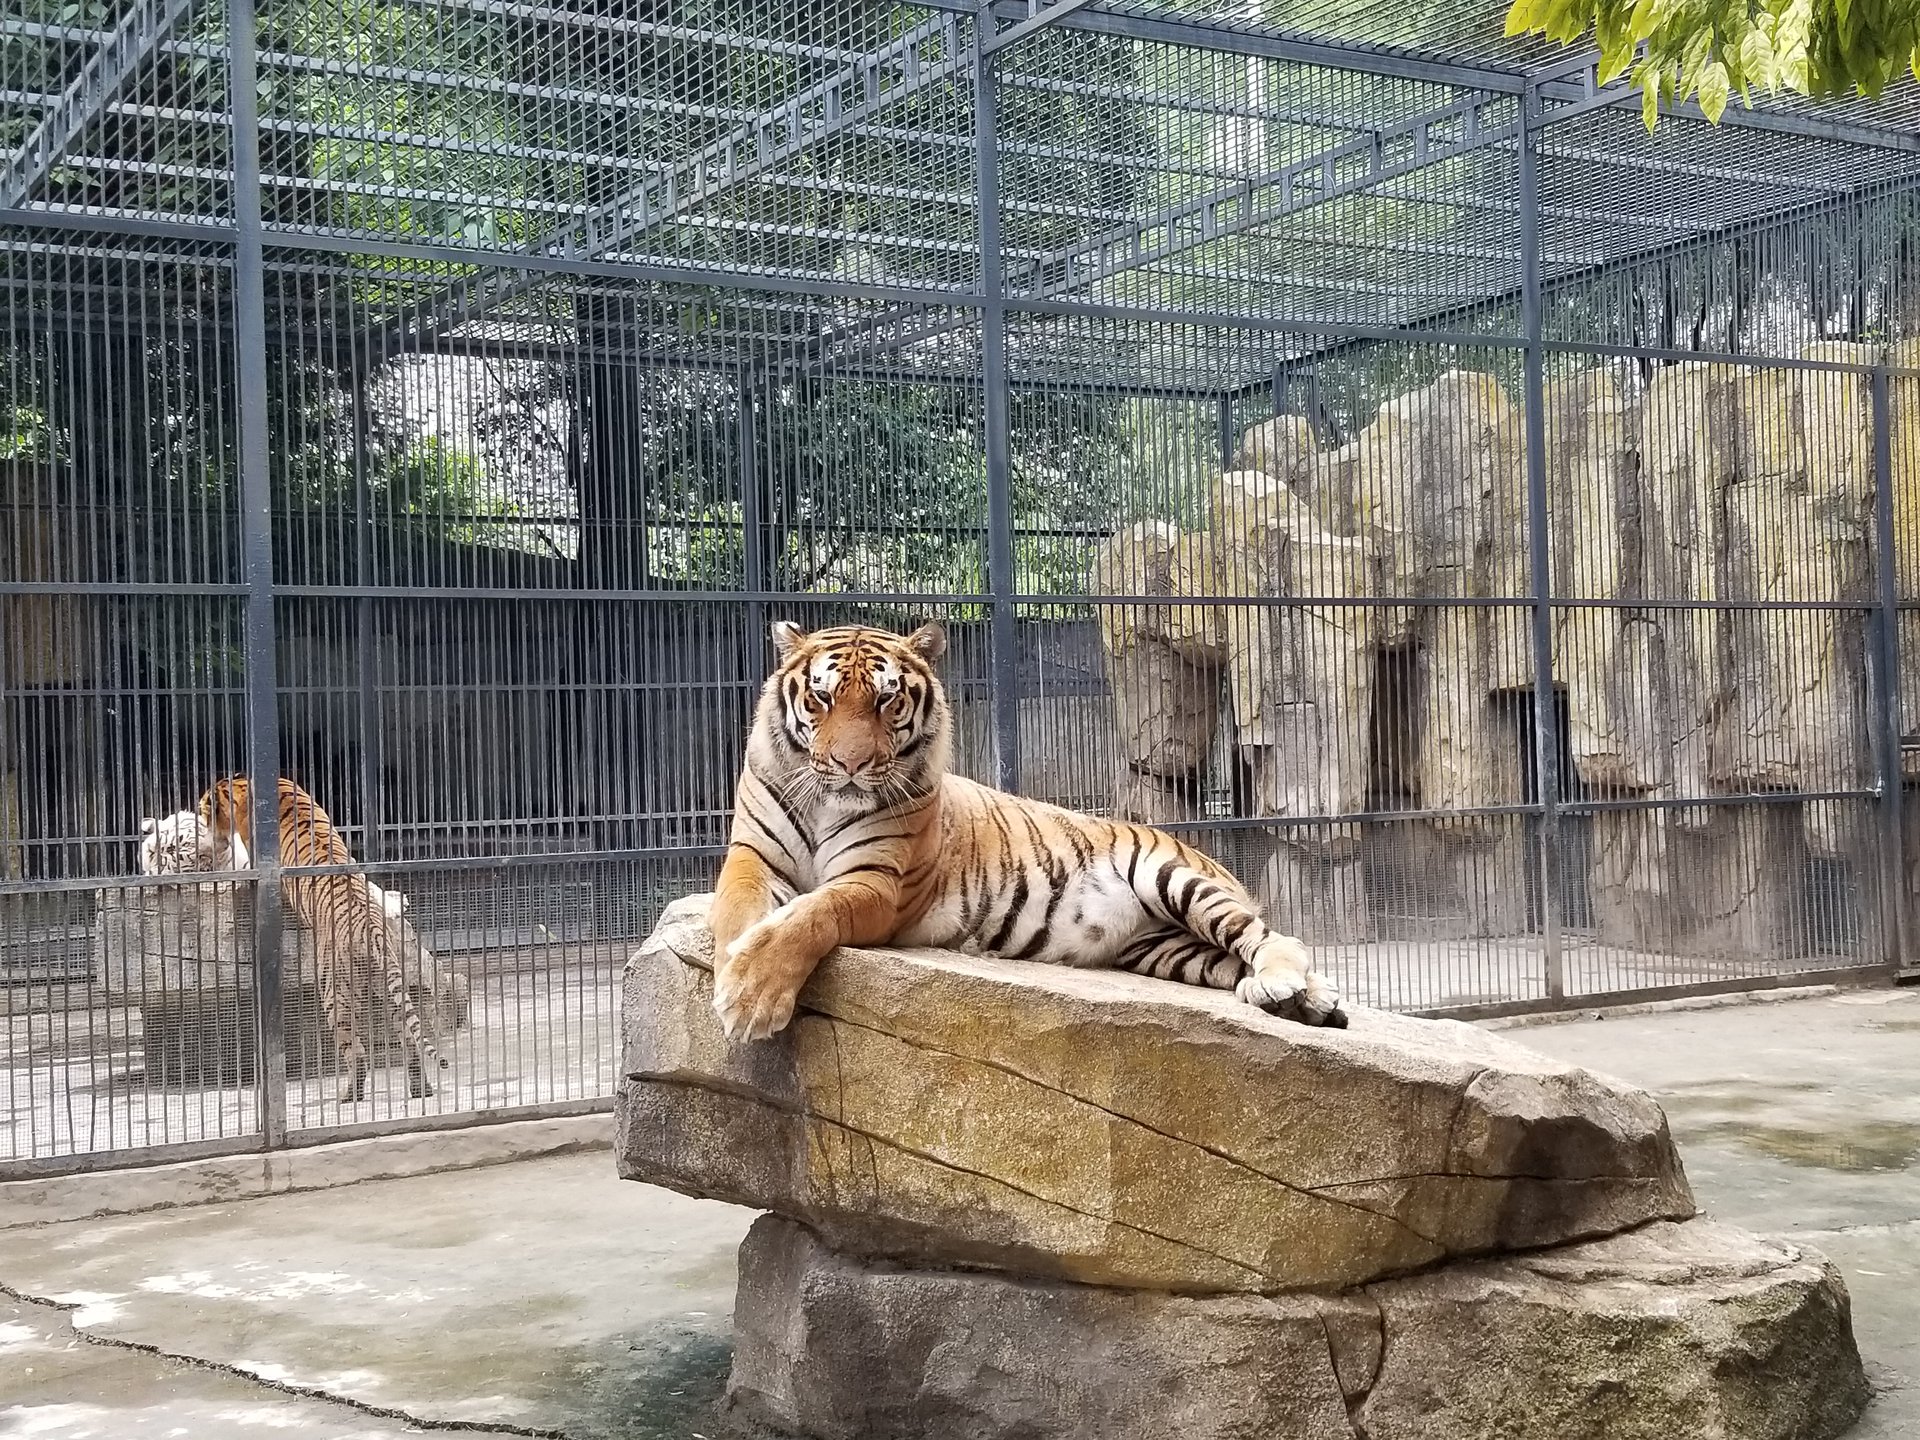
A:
418, 1086
339, 1003
1179, 886
744, 896
1183, 957
758, 976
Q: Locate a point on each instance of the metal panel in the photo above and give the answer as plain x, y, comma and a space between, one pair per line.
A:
82, 102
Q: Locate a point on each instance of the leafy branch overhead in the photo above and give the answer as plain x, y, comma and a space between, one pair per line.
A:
1709, 50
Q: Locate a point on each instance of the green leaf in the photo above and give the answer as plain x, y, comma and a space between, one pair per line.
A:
1715, 87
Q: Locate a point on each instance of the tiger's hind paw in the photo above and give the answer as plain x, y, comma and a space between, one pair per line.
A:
1286, 985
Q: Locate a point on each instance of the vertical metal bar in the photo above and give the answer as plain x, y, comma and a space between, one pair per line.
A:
1227, 445
256, 541
1004, 639
1546, 710
753, 512
372, 737
1886, 709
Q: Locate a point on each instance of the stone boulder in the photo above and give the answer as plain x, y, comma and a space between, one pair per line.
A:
1687, 1329
946, 1110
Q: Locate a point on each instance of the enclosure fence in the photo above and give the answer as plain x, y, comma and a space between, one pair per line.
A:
1334, 431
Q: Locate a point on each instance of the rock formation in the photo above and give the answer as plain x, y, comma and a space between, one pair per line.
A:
1012, 1199
1709, 542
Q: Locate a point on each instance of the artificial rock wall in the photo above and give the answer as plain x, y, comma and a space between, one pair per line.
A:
1750, 490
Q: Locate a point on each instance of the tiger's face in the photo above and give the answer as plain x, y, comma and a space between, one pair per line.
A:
177, 844
864, 705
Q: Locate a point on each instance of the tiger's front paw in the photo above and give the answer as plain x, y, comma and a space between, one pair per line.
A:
755, 986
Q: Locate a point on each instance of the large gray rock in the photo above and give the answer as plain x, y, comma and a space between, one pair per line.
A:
1688, 1330
941, 1109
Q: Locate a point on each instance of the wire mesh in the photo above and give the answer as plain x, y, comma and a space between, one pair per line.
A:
596, 339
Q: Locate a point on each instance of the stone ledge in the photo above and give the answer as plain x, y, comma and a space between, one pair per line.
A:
45, 1200
1690, 1329
942, 1109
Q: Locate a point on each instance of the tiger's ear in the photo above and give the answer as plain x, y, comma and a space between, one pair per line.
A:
149, 825
786, 635
930, 641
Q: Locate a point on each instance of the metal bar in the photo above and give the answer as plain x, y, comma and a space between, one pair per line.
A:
99, 222
1004, 637
1546, 696
256, 540
1039, 17
366, 618
753, 508
287, 237
1886, 710
1648, 994
80, 104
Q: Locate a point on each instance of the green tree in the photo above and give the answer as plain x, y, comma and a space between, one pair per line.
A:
1711, 50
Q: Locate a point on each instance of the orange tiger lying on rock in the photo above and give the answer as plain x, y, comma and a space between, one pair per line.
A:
849, 830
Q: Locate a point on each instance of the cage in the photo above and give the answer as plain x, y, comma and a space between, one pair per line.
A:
1334, 431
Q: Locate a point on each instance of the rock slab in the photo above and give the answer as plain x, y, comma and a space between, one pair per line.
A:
946, 1110
1687, 1329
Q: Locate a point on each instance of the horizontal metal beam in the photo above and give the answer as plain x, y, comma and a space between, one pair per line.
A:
122, 52
1038, 17
1204, 35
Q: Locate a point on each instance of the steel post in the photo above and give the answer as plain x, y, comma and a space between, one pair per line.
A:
996, 424
367, 627
1546, 708
753, 513
1885, 711
256, 540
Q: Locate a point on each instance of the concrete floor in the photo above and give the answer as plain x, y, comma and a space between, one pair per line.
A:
1799, 1118
547, 1298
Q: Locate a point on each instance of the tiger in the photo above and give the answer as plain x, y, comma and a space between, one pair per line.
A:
178, 844
351, 932
849, 829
